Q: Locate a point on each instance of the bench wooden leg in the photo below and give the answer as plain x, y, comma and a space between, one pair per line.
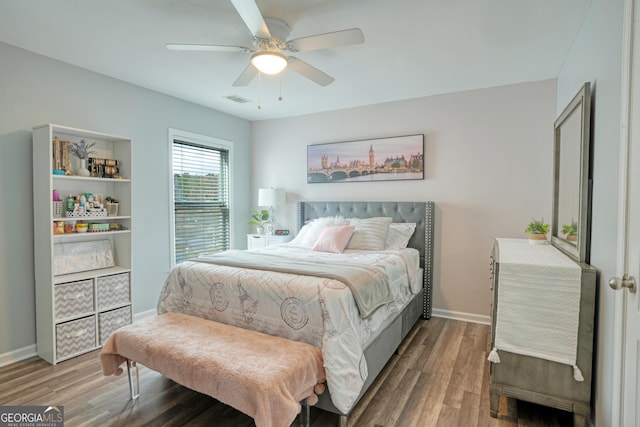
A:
305, 416
134, 381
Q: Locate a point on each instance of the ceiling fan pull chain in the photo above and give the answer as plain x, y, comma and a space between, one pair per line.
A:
280, 97
259, 91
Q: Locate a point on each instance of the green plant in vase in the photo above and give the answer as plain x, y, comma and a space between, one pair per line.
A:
571, 231
537, 231
259, 219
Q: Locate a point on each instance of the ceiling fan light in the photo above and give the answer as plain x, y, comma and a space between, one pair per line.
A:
269, 62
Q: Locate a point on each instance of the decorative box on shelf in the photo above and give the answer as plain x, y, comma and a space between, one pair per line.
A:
86, 214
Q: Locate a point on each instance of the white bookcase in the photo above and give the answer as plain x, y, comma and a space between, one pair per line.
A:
78, 310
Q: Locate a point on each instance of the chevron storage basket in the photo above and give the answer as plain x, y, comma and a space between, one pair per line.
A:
111, 320
73, 299
113, 290
75, 337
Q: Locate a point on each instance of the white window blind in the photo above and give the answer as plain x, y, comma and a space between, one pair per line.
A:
201, 199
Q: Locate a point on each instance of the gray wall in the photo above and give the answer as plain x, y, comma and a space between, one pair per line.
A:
35, 90
596, 58
488, 166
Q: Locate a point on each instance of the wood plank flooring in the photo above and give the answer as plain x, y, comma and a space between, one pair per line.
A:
439, 377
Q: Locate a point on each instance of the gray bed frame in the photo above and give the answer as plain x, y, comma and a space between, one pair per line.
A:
382, 348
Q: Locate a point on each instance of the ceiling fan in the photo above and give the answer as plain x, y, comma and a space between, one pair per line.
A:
270, 40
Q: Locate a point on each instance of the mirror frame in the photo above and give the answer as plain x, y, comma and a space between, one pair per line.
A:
579, 250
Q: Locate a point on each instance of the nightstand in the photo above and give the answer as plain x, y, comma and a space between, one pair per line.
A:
262, 240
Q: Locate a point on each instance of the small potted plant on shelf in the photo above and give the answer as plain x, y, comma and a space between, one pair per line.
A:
259, 219
537, 231
571, 230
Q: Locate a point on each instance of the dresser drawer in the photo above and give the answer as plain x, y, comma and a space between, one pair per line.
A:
75, 337
113, 290
73, 299
111, 320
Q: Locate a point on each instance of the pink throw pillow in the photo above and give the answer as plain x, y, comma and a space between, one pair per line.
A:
334, 239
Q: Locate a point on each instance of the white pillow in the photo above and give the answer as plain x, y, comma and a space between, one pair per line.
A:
370, 233
310, 232
333, 239
399, 235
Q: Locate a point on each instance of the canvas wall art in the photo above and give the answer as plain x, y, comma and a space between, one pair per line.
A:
381, 159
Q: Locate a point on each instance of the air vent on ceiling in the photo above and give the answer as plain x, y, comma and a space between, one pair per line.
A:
238, 99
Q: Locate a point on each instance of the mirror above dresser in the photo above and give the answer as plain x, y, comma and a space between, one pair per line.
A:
571, 216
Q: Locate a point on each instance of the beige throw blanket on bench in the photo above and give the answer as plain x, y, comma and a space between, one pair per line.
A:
368, 283
263, 376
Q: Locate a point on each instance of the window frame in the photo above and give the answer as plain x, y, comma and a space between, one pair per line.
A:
204, 141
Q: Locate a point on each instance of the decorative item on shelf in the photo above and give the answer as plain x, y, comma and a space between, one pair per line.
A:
271, 198
82, 228
57, 205
112, 206
104, 168
58, 227
281, 232
85, 205
60, 151
571, 231
259, 219
537, 231
82, 150
57, 209
94, 227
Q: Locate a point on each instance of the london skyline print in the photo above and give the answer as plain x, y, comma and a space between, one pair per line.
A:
379, 159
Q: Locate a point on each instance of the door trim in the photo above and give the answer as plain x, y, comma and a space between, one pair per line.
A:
619, 333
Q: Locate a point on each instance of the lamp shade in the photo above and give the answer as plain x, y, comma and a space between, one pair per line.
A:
271, 197
269, 62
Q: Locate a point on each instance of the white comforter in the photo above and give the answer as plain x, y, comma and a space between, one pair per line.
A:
318, 311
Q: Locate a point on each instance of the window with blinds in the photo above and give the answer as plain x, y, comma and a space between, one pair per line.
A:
200, 198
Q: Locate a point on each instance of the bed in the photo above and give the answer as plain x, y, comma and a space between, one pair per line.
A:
315, 296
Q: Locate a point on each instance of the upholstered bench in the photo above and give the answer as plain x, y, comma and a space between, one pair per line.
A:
265, 377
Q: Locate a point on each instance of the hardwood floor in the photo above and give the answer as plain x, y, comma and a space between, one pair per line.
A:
438, 378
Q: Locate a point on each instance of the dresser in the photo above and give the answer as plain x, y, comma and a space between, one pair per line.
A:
255, 241
542, 328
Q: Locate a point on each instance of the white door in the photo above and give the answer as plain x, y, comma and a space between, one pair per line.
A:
629, 229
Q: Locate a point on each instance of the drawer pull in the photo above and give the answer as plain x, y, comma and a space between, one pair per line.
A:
77, 334
72, 297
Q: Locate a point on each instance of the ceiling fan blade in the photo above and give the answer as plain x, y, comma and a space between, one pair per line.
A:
207, 47
252, 17
246, 76
326, 40
309, 71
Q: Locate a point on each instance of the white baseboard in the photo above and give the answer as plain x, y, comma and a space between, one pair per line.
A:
17, 355
139, 316
465, 317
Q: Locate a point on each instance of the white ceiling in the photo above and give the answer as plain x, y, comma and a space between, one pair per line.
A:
412, 48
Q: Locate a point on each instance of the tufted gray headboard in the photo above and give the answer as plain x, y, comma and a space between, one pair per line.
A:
420, 213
